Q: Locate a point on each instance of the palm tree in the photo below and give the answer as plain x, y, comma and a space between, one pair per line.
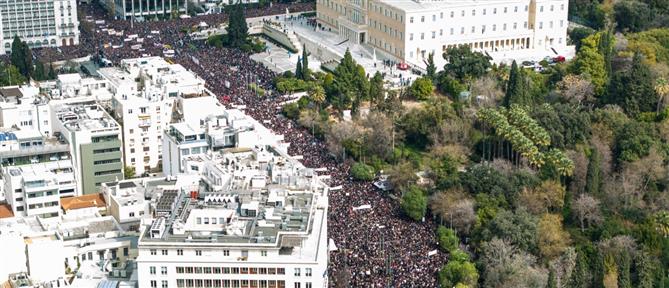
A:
662, 90
317, 95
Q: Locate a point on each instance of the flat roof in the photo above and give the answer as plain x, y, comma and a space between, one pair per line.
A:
431, 5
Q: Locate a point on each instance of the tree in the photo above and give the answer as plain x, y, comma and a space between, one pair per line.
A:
362, 171
624, 278
581, 275
299, 74
17, 57
518, 228
414, 203
633, 141
378, 136
52, 72
128, 172
576, 89
590, 63
547, 197
632, 16
458, 272
447, 239
464, 64
376, 90
552, 282
634, 89
454, 207
506, 266
551, 238
351, 85
421, 88
645, 270
431, 68
40, 73
586, 211
593, 180
237, 27
306, 73
515, 88
317, 95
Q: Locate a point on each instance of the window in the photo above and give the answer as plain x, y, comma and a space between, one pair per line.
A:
515, 25
422, 19
561, 23
434, 18
462, 30
163, 270
484, 10
434, 34
297, 285
494, 10
198, 252
551, 7
473, 12
526, 8
410, 36
152, 270
307, 272
297, 272
452, 14
451, 31
506, 9
422, 36
164, 252
473, 29
541, 9
153, 251
226, 252
154, 284
441, 15
163, 283
125, 251
180, 252
198, 220
541, 25
411, 20
263, 253
307, 285
504, 27
131, 130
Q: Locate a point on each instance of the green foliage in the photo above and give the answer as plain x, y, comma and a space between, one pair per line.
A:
631, 15
579, 33
306, 73
257, 89
591, 63
431, 68
443, 171
447, 239
298, 70
566, 124
291, 85
128, 172
350, 86
238, 31
633, 141
653, 44
291, 110
516, 88
464, 64
593, 180
624, 264
634, 90
458, 271
414, 203
448, 85
552, 282
421, 88
519, 228
482, 178
21, 57
419, 123
362, 171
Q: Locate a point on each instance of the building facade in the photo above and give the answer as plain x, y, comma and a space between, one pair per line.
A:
408, 31
145, 9
39, 23
95, 144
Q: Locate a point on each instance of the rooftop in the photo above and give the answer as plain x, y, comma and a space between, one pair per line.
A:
431, 5
6, 211
248, 196
84, 201
85, 116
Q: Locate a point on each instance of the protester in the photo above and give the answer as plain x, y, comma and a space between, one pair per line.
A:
377, 247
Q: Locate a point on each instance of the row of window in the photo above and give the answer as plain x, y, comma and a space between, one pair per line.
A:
107, 150
238, 270
483, 29
109, 161
233, 283
108, 172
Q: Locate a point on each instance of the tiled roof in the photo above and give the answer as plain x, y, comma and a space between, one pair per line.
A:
84, 201
6, 211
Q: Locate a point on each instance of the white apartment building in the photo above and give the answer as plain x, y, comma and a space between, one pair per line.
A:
27, 152
125, 200
47, 248
255, 218
95, 143
408, 31
40, 23
229, 128
265, 227
23, 108
149, 94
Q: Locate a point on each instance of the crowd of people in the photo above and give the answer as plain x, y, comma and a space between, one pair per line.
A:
377, 247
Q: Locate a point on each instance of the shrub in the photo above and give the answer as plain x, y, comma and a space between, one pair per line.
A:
414, 203
447, 239
362, 171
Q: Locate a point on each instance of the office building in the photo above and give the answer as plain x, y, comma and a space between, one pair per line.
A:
95, 144
39, 23
408, 31
22, 107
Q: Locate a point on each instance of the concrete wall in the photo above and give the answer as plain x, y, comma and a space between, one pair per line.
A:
278, 36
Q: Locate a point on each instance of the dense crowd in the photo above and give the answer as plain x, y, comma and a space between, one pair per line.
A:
377, 247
